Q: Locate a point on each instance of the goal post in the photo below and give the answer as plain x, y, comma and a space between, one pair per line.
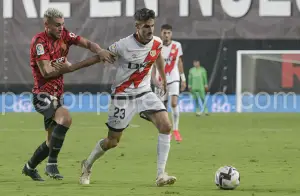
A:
264, 73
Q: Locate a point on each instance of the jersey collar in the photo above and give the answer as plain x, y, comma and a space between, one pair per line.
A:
169, 44
136, 38
49, 36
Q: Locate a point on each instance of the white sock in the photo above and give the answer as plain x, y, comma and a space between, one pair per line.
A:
95, 154
163, 148
175, 117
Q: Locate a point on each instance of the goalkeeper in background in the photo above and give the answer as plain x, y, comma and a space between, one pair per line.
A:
197, 84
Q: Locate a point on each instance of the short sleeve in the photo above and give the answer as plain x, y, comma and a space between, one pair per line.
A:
71, 38
180, 53
116, 48
40, 50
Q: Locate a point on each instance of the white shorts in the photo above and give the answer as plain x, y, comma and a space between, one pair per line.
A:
172, 90
123, 108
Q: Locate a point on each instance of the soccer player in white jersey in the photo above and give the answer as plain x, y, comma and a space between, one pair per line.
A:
131, 94
172, 54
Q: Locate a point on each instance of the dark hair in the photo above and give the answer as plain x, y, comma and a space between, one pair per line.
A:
144, 14
166, 27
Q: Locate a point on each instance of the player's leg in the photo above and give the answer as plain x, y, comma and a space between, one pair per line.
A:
40, 154
174, 93
63, 121
119, 116
163, 98
203, 100
42, 106
102, 146
197, 101
166, 104
57, 117
152, 109
175, 117
163, 124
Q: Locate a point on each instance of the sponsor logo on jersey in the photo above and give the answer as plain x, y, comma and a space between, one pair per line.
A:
137, 65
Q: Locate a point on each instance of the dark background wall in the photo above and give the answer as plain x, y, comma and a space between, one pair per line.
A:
216, 55
213, 39
219, 57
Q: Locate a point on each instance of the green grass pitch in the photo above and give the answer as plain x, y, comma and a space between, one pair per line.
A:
265, 148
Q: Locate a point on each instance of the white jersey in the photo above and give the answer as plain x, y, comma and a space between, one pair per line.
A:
171, 54
134, 64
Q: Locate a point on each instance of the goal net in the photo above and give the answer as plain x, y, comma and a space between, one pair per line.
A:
267, 81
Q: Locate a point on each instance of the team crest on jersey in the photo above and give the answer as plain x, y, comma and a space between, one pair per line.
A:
40, 49
153, 53
173, 51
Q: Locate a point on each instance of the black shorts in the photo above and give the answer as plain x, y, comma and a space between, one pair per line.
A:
47, 106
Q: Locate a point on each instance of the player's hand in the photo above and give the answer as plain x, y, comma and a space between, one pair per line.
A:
183, 85
63, 66
106, 56
206, 88
159, 86
190, 89
164, 87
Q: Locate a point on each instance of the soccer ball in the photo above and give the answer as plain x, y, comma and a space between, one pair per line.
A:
227, 178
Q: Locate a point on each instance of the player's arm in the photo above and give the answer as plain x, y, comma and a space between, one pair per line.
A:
40, 51
87, 44
181, 72
180, 68
47, 70
160, 67
67, 67
204, 76
190, 79
153, 76
51, 70
104, 55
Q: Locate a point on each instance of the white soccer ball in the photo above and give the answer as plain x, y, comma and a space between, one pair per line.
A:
227, 178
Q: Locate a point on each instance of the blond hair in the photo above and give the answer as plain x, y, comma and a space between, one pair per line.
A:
51, 13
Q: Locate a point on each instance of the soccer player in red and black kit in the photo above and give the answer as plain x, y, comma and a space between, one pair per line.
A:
48, 52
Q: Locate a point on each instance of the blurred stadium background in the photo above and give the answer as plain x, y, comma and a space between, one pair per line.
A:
212, 32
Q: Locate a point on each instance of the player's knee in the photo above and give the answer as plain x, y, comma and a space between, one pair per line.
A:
174, 104
174, 101
65, 120
68, 121
63, 117
165, 127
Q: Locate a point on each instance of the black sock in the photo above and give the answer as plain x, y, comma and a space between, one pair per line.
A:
56, 142
40, 154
